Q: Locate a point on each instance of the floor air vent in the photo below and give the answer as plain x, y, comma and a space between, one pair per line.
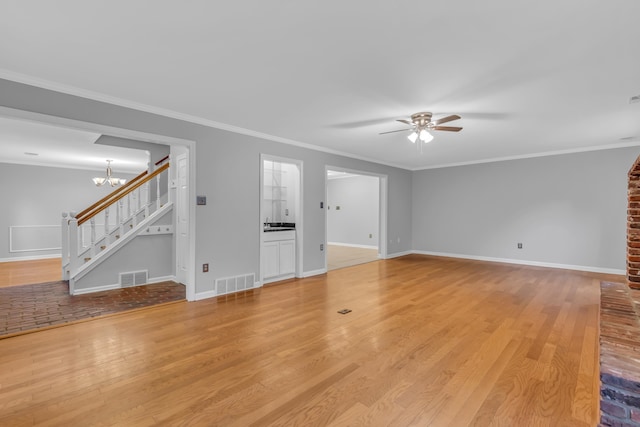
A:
227, 285
134, 278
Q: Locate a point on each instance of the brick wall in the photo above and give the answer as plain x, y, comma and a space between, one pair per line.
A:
619, 355
633, 227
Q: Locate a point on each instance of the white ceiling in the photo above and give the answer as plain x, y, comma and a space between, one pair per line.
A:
27, 142
528, 78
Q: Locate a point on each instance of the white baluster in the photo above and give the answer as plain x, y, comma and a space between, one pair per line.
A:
119, 215
134, 195
128, 205
106, 226
93, 236
122, 218
147, 190
158, 204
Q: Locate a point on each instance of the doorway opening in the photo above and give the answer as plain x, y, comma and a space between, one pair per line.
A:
281, 219
115, 136
355, 225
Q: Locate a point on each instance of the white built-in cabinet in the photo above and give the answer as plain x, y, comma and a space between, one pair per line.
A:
278, 255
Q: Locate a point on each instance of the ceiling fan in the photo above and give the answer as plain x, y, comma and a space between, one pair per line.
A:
421, 124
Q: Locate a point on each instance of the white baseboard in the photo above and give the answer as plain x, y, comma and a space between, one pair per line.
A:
95, 289
399, 254
161, 279
30, 258
314, 272
205, 295
525, 262
352, 245
117, 285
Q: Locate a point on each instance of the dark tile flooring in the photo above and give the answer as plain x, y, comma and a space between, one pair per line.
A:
30, 307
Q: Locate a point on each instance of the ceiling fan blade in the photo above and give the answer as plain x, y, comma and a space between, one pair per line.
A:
448, 128
446, 119
392, 131
407, 122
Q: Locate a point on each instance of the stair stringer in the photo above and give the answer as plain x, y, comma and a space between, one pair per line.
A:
117, 245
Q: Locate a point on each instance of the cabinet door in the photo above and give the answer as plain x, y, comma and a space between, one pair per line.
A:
270, 260
287, 256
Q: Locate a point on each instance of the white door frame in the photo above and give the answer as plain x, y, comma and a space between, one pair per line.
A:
189, 145
180, 203
299, 212
382, 210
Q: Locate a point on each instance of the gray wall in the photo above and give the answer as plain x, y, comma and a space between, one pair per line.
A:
153, 253
567, 209
228, 167
358, 198
37, 195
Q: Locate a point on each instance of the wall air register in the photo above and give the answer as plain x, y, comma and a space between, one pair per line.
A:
134, 278
228, 285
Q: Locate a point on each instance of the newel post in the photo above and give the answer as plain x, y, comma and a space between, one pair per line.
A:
74, 261
64, 226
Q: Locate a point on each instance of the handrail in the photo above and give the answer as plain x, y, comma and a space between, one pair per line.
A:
110, 195
162, 160
123, 193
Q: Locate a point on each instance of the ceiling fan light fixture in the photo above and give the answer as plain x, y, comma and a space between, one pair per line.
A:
425, 136
413, 137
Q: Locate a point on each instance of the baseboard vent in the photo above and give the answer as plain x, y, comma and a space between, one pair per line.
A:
134, 278
227, 285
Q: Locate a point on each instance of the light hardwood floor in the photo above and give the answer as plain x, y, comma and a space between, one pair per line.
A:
429, 342
347, 256
15, 273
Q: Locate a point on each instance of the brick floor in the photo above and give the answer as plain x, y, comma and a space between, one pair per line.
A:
29, 307
619, 354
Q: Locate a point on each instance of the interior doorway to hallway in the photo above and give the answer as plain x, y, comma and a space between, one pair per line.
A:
354, 211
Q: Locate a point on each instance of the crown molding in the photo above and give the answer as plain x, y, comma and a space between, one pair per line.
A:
100, 97
534, 155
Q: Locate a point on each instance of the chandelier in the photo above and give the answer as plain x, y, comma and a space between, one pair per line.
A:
112, 181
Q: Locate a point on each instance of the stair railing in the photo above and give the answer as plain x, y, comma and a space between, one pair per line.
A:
91, 231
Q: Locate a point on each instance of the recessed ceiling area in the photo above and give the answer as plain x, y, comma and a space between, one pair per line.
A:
527, 78
33, 143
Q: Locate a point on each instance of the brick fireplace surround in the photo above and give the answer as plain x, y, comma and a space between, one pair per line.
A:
620, 328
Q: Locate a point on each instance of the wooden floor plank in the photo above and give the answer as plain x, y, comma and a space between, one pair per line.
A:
429, 340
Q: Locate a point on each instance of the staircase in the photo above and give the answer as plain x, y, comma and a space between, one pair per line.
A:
93, 235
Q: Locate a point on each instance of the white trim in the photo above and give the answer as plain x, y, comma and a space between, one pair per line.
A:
382, 208
534, 155
12, 250
299, 208
30, 258
314, 272
351, 245
96, 96
118, 244
136, 135
117, 285
276, 279
204, 295
525, 262
95, 289
399, 254
160, 279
